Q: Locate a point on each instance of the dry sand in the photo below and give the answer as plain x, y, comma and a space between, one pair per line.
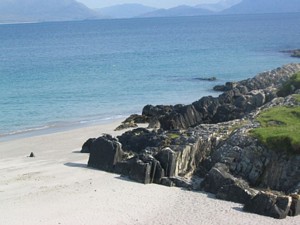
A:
56, 187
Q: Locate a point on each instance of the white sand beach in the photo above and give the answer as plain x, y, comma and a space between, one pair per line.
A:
56, 187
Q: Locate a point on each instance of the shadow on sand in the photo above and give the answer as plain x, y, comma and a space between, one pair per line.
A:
79, 165
77, 151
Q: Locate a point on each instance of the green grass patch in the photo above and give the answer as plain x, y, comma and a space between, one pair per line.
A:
173, 135
290, 86
280, 129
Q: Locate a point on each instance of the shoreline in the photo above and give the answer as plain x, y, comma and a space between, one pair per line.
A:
57, 128
56, 187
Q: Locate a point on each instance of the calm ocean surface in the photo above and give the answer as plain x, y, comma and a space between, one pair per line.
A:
70, 73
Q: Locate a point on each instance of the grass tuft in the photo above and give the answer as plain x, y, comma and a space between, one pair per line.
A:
280, 129
290, 86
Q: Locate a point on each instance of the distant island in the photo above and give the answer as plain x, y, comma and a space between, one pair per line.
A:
20, 11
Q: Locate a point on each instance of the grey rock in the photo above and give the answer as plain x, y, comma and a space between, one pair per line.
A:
142, 168
295, 206
268, 204
167, 159
132, 121
126, 125
135, 118
216, 178
239, 192
157, 171
140, 172
166, 181
138, 139
105, 153
181, 182
156, 111
135, 169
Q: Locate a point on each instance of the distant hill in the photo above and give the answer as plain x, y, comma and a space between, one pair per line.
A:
12, 11
182, 10
219, 6
16, 11
125, 10
264, 6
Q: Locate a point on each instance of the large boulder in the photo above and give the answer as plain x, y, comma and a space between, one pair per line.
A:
105, 153
269, 204
217, 177
86, 147
227, 187
238, 192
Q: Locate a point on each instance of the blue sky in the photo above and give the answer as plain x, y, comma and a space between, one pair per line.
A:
154, 3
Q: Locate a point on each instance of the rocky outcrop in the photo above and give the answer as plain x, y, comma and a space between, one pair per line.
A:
247, 158
197, 150
234, 165
293, 53
239, 99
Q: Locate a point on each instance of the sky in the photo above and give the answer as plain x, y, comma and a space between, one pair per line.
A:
153, 3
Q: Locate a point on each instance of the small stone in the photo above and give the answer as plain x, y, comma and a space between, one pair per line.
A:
31, 155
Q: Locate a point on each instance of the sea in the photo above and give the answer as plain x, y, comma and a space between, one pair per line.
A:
61, 75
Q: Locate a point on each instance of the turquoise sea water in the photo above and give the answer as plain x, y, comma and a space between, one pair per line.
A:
66, 73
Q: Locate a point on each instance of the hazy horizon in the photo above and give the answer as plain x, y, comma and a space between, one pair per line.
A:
164, 4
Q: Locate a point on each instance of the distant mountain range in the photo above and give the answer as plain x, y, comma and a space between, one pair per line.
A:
182, 10
264, 6
125, 10
219, 6
138, 10
14, 11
